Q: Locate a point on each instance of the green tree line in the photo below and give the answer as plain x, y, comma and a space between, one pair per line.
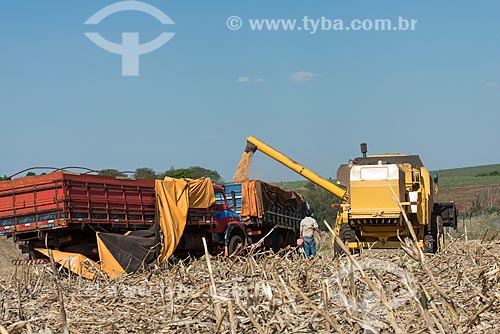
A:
194, 172
146, 173
321, 202
319, 199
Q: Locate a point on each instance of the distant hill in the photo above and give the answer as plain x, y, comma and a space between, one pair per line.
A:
472, 188
469, 176
468, 171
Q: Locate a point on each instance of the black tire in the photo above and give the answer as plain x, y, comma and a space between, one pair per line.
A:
434, 239
439, 234
429, 243
347, 234
280, 242
34, 255
235, 243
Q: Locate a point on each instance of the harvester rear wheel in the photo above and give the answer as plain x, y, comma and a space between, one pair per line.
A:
347, 235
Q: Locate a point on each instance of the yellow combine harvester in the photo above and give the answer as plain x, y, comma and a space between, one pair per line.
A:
375, 190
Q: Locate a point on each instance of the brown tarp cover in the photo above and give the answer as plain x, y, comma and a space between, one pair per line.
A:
173, 199
258, 197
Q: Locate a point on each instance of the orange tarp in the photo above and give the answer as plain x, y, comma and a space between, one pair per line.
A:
173, 199
109, 264
77, 263
251, 205
258, 197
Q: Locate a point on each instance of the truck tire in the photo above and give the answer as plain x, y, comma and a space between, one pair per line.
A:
235, 242
280, 242
347, 235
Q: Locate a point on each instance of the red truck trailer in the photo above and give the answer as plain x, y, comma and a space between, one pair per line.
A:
65, 210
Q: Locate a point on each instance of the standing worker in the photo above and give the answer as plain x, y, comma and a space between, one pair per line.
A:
308, 226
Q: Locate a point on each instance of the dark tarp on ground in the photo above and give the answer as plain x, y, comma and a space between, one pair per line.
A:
118, 254
258, 197
128, 253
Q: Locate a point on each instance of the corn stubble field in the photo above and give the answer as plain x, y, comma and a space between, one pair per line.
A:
378, 291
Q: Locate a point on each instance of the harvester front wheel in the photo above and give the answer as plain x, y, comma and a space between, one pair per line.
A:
429, 243
434, 241
347, 235
440, 233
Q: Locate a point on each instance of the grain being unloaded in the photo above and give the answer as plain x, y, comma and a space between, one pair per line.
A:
243, 170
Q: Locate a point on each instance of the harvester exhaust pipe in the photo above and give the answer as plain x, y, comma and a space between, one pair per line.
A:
250, 147
364, 149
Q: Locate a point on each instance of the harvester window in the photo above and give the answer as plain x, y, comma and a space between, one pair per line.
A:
373, 173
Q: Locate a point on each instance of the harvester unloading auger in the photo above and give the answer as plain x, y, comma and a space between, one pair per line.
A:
373, 189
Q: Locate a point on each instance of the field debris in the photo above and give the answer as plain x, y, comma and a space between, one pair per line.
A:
377, 291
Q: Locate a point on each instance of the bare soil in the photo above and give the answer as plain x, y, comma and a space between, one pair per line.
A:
472, 198
8, 251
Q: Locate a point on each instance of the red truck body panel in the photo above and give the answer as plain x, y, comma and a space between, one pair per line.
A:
58, 199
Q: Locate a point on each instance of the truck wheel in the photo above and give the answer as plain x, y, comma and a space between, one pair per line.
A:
347, 235
234, 243
281, 242
34, 255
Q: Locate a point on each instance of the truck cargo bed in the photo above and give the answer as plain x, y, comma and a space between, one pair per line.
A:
62, 199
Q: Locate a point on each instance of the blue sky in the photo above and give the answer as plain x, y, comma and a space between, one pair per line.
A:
434, 91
